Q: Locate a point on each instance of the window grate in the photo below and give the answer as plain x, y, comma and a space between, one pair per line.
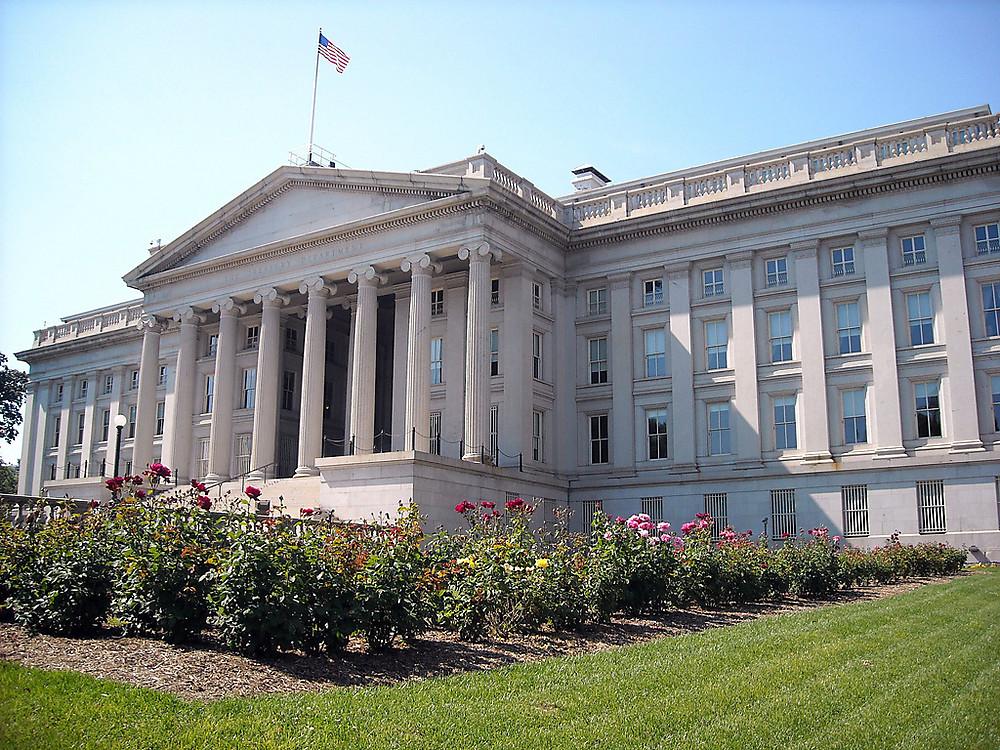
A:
717, 506
854, 503
652, 507
782, 514
930, 507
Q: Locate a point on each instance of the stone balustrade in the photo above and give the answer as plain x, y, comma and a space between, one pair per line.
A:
121, 317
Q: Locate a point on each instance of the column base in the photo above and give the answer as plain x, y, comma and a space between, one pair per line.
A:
818, 457
893, 451
306, 471
967, 446
255, 476
214, 478
477, 458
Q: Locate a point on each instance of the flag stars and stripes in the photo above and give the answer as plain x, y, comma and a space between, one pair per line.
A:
333, 53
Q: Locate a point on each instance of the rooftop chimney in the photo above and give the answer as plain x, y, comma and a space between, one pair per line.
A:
588, 177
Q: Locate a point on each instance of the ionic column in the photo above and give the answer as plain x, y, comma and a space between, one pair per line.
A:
363, 359
177, 450
220, 451
957, 338
317, 292
477, 352
28, 468
745, 401
145, 408
265, 411
622, 401
90, 407
681, 367
812, 407
888, 432
418, 351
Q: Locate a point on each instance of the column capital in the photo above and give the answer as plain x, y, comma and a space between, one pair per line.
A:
681, 268
804, 248
317, 285
227, 306
479, 251
943, 225
874, 234
270, 297
617, 280
740, 258
151, 324
366, 276
420, 264
188, 316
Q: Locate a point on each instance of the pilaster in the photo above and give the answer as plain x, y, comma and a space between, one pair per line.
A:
564, 377
65, 417
87, 449
622, 401
681, 367
453, 418
746, 403
515, 355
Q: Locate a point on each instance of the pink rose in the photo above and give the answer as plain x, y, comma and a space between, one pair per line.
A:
632, 523
663, 526
607, 536
688, 527
644, 532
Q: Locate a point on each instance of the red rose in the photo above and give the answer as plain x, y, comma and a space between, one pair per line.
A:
252, 492
94, 504
515, 504
464, 507
204, 502
307, 511
488, 504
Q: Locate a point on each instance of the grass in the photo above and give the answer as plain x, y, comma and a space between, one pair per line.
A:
921, 669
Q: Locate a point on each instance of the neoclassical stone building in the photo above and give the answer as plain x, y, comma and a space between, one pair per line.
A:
808, 335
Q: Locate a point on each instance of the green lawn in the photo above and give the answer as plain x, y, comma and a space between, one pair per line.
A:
919, 670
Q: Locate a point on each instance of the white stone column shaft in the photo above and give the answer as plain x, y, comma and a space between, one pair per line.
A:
65, 417
477, 354
265, 410
363, 361
884, 400
812, 411
116, 408
559, 446
29, 436
746, 407
221, 436
453, 418
954, 316
313, 376
515, 361
177, 452
87, 467
418, 354
622, 401
681, 367
145, 409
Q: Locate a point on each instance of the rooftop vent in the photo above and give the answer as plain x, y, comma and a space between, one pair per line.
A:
588, 177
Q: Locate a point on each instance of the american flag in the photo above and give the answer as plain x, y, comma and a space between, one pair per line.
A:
333, 53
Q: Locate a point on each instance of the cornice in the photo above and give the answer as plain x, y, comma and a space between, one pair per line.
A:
95, 341
751, 206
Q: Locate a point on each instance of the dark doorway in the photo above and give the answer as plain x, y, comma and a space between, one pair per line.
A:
384, 340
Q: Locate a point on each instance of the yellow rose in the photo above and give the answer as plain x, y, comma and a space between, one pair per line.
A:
542, 563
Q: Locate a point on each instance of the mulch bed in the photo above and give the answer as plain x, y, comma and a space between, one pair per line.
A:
205, 671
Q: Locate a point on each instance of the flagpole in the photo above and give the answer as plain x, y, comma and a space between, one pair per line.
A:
312, 117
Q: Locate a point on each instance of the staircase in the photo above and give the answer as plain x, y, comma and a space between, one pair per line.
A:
294, 492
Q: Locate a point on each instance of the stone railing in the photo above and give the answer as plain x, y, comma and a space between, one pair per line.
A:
118, 318
486, 166
822, 162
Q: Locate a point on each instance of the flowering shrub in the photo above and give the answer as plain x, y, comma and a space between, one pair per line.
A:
810, 566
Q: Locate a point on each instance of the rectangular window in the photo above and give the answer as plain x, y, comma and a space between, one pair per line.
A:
782, 514
81, 426
991, 308
656, 433
777, 271
995, 383
988, 239
855, 420
161, 411
536, 295
599, 438
105, 424
84, 388
209, 393
589, 509
652, 507
652, 292
930, 507
288, 390
494, 429
713, 283
252, 338
921, 318
598, 351
241, 453
213, 345
494, 291
656, 354
717, 506
849, 327
494, 351
913, 250
133, 380
717, 344
128, 468
59, 393
437, 303
536, 356
854, 503
719, 443
785, 437
780, 330
56, 429
537, 435
249, 387
109, 384
843, 261
131, 420
928, 407
435, 433
597, 301
291, 339
203, 453
437, 360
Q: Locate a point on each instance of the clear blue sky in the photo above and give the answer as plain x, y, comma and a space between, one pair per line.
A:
123, 122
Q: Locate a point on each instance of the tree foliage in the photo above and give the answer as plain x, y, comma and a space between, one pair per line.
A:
12, 386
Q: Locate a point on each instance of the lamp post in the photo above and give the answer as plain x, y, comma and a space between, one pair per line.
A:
120, 421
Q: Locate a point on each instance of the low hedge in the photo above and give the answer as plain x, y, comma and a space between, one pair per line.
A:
171, 566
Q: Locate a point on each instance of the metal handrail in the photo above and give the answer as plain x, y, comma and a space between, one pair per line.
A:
241, 477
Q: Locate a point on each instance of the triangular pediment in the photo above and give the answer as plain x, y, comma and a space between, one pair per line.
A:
290, 203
